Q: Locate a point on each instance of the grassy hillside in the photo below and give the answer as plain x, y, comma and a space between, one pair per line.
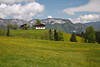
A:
38, 34
24, 52
31, 34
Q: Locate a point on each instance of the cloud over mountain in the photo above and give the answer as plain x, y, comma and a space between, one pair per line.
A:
86, 18
92, 6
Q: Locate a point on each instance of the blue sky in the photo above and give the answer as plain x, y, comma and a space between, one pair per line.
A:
54, 7
78, 11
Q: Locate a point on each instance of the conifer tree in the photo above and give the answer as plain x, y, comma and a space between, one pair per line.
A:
73, 37
8, 30
55, 35
50, 35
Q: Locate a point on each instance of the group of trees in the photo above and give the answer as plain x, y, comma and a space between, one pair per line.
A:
97, 36
58, 36
55, 35
90, 35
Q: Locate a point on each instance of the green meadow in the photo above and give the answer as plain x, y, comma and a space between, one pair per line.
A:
29, 48
38, 34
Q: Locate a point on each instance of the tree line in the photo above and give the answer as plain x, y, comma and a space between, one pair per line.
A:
90, 35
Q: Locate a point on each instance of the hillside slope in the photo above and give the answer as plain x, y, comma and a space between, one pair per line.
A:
23, 52
38, 34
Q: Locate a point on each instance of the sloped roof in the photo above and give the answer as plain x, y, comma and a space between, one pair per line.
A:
39, 25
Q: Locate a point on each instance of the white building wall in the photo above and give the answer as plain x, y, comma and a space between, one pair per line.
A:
40, 27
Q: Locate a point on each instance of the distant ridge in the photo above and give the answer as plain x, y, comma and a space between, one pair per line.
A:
96, 25
64, 25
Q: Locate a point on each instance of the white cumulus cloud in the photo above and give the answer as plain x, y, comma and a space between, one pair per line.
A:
86, 18
18, 11
15, 1
90, 17
49, 16
92, 6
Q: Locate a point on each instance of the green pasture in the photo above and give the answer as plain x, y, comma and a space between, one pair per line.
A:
25, 52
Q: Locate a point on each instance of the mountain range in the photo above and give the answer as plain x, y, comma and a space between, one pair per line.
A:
64, 25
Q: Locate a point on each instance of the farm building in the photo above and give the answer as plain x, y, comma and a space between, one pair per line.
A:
39, 26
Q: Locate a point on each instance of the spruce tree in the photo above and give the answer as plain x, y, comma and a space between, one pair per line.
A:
50, 35
73, 37
8, 30
55, 35
83, 36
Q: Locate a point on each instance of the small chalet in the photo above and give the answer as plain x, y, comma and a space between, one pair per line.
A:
23, 26
39, 26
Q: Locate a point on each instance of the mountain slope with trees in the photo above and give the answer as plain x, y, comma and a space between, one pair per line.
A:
96, 25
64, 25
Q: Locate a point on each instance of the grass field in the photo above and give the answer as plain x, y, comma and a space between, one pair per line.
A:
28, 52
38, 34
